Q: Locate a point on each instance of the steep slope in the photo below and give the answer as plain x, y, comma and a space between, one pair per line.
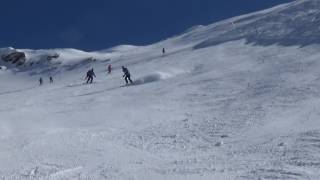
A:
213, 107
294, 23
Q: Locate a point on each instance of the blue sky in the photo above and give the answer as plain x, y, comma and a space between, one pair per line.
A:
99, 24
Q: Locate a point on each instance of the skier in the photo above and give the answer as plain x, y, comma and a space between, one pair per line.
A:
40, 81
90, 75
163, 51
109, 69
51, 79
126, 75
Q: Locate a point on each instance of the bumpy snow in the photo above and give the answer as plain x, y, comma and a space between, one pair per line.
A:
215, 106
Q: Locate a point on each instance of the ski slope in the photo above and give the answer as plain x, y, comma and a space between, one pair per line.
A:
218, 105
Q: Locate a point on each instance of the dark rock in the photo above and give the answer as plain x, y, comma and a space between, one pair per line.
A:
18, 58
54, 56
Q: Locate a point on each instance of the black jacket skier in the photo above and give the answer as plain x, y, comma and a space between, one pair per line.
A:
109, 68
127, 76
40, 81
90, 75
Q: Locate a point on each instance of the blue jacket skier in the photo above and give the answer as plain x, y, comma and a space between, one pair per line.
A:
126, 75
90, 75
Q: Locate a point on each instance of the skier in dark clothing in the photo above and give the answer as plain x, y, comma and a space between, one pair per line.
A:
51, 79
40, 81
127, 76
90, 75
163, 51
109, 68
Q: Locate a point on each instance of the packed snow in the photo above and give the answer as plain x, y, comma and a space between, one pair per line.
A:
218, 104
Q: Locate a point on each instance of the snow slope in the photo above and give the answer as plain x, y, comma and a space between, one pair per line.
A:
219, 105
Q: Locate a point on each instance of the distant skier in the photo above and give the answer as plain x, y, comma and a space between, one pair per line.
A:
163, 51
40, 81
90, 75
127, 75
109, 68
51, 79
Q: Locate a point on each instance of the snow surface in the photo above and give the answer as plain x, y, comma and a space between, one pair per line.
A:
216, 106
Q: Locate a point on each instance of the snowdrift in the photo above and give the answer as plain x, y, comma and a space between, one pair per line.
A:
157, 76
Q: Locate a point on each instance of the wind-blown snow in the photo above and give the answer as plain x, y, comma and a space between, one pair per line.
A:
204, 110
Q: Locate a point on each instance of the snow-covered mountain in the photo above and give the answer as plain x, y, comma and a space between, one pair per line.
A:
295, 23
237, 99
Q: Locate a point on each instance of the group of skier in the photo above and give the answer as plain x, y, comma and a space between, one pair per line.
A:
91, 75
41, 80
126, 74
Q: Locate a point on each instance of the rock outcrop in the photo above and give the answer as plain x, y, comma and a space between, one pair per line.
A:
18, 58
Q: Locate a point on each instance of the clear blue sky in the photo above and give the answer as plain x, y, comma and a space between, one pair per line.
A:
99, 24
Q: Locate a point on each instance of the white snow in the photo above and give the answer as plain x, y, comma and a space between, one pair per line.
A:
231, 110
